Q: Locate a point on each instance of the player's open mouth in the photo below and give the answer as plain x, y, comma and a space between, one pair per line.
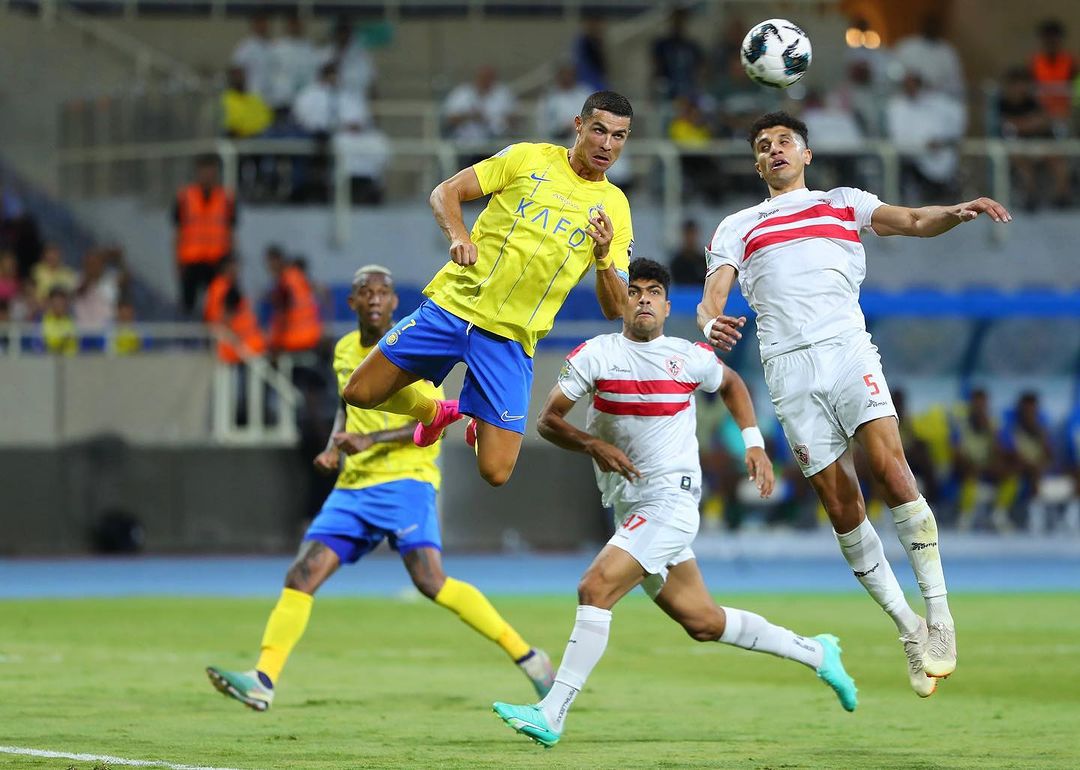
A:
601, 160
778, 163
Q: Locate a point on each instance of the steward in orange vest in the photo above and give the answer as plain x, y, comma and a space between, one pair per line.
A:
205, 216
226, 306
1054, 70
294, 322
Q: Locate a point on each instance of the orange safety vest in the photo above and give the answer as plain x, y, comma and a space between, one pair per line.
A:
241, 323
204, 231
1054, 76
296, 326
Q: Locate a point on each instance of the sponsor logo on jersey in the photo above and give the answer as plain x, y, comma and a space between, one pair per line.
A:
507, 417
565, 371
802, 453
551, 222
871, 403
620, 370
674, 365
767, 214
685, 483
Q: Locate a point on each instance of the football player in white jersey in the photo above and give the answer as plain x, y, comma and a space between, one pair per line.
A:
799, 262
640, 433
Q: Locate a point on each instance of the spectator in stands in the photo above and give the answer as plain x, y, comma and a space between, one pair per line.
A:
205, 217
691, 131
295, 325
833, 122
18, 230
1023, 117
341, 120
481, 109
688, 261
1028, 447
50, 272
9, 276
587, 52
678, 63
57, 326
926, 127
253, 54
356, 68
230, 312
294, 62
244, 113
1054, 70
860, 95
932, 57
126, 340
979, 464
560, 104
97, 294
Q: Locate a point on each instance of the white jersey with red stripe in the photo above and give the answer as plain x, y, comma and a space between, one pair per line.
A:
643, 403
800, 264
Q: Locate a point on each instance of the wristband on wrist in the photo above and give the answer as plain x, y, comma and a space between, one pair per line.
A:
605, 263
707, 329
752, 437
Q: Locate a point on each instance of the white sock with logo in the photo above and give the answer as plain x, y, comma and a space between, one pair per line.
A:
917, 530
583, 652
862, 549
753, 632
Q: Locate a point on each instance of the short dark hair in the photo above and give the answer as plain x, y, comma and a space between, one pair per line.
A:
770, 119
642, 269
608, 101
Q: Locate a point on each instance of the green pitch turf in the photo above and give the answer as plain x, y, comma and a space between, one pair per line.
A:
383, 683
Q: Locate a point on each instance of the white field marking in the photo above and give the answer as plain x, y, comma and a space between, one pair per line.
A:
103, 758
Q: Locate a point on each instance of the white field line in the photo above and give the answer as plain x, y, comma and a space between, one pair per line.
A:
103, 758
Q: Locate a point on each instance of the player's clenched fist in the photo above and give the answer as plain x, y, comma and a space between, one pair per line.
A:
463, 252
327, 461
760, 471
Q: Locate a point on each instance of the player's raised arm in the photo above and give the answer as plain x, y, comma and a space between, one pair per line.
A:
737, 399
552, 425
928, 221
446, 200
722, 331
610, 288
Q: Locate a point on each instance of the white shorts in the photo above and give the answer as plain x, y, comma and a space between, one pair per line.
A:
642, 531
822, 393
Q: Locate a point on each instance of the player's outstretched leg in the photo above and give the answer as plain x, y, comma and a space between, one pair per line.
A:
684, 596
838, 489
612, 574
468, 603
286, 624
917, 529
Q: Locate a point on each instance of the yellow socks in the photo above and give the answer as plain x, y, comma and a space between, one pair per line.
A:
286, 625
411, 402
474, 609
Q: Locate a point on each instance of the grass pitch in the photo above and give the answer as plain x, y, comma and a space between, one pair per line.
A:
383, 683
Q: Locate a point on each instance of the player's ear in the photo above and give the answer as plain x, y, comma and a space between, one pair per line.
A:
351, 300
808, 155
393, 302
757, 168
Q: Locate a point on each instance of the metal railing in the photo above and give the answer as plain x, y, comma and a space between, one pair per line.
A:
88, 171
239, 390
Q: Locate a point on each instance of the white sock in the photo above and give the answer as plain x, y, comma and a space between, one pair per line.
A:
752, 632
917, 530
862, 549
583, 652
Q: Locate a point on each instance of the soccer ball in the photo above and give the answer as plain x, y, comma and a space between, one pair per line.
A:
775, 53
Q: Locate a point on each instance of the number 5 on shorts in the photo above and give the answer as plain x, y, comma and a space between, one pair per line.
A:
632, 523
869, 380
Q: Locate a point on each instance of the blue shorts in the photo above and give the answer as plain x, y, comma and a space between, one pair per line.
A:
352, 522
431, 341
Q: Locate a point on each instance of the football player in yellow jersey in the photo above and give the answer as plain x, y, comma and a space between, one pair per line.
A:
552, 217
386, 490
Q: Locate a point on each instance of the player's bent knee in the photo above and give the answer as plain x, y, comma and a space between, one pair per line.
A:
495, 473
429, 586
704, 629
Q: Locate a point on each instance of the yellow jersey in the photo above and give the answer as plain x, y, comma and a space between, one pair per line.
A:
532, 248
386, 461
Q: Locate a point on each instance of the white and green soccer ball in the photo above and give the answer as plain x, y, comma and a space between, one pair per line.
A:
776, 53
